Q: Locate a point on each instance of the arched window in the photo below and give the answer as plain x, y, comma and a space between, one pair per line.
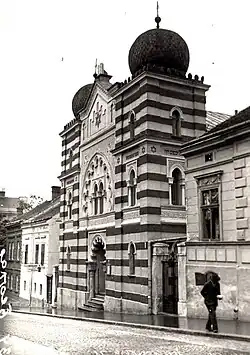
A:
176, 119
176, 190
132, 125
111, 112
70, 158
70, 205
101, 197
95, 199
132, 253
68, 257
132, 188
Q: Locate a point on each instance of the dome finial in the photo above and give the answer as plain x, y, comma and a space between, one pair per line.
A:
157, 19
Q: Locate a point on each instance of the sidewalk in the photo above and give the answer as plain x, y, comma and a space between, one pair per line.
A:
235, 328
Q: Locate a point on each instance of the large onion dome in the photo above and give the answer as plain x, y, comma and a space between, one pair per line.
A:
159, 48
80, 99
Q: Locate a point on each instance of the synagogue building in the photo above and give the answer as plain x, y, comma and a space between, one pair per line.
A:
123, 202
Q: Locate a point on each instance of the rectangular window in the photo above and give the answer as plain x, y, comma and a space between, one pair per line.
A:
210, 214
10, 251
18, 251
36, 253
26, 254
13, 251
34, 287
11, 282
24, 285
17, 283
208, 157
41, 289
42, 253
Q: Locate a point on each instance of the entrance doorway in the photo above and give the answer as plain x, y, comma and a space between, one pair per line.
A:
100, 274
170, 282
49, 289
99, 258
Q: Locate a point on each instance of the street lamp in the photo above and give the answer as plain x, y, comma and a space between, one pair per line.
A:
33, 268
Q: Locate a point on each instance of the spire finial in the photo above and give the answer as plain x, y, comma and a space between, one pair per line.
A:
157, 19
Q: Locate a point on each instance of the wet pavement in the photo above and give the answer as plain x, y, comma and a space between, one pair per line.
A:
33, 334
163, 320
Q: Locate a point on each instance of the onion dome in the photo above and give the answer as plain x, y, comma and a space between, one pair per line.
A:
80, 99
160, 49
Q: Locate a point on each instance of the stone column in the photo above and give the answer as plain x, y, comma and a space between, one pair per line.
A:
170, 183
182, 279
92, 271
54, 285
160, 253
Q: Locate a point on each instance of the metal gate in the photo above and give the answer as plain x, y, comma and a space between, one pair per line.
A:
170, 283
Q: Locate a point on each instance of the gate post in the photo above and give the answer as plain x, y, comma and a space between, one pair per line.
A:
182, 277
160, 253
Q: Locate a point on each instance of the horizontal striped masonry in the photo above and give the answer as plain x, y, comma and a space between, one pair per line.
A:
124, 246
153, 193
163, 92
75, 156
128, 279
128, 296
125, 262
75, 248
71, 235
120, 184
74, 262
73, 287
72, 170
141, 228
73, 147
72, 138
150, 134
159, 119
73, 274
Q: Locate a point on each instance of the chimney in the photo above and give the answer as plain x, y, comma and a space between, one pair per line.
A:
235, 112
2, 193
56, 191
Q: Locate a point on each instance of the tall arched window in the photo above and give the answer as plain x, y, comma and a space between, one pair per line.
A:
176, 119
132, 253
95, 199
132, 188
70, 205
70, 158
68, 257
176, 190
132, 125
101, 197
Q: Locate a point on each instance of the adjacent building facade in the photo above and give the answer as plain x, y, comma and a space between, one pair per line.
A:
40, 257
218, 216
123, 206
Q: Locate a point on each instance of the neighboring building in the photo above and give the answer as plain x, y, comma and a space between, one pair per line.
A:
40, 257
218, 217
14, 252
123, 185
14, 248
8, 206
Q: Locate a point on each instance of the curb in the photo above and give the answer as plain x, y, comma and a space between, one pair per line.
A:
145, 326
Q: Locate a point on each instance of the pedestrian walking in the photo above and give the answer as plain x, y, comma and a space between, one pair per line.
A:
211, 294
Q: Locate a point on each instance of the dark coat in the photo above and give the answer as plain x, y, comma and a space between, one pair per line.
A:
210, 292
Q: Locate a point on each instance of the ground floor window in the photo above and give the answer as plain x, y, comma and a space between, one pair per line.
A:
41, 289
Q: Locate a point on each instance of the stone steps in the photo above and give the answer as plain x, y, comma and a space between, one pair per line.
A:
93, 305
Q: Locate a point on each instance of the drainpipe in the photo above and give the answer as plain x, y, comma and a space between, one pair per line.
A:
236, 309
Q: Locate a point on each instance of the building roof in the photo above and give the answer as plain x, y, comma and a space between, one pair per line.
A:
48, 212
231, 121
234, 127
23, 217
215, 118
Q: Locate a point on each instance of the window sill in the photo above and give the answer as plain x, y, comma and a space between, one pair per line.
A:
131, 275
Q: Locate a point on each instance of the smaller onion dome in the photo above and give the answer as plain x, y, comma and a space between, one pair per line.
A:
80, 99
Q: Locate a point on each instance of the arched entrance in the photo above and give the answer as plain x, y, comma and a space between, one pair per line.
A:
98, 256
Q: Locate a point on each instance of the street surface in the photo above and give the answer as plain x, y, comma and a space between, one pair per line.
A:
33, 334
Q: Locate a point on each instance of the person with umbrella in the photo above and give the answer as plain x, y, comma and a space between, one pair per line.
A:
211, 294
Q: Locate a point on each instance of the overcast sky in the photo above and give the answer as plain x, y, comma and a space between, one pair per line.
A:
37, 87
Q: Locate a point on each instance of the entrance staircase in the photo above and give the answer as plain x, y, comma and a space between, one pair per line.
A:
95, 304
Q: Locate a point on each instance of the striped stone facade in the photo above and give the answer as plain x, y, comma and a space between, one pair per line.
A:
119, 161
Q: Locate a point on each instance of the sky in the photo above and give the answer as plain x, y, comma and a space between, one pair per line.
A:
37, 86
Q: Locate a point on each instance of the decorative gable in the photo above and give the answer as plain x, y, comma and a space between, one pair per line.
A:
97, 119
